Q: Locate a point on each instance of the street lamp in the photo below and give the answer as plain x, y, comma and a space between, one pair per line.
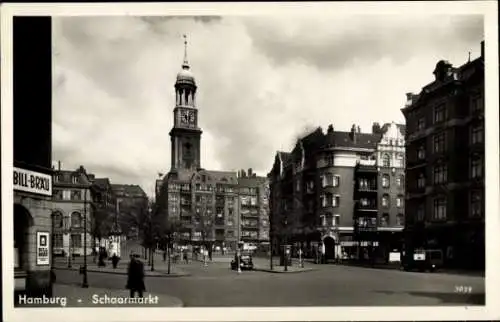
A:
85, 283
285, 247
68, 223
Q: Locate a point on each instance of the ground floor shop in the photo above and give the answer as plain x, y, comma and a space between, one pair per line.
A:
462, 244
32, 243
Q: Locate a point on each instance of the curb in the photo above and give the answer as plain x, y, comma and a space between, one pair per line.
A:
283, 272
148, 274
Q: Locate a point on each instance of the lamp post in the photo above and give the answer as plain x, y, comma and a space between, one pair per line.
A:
285, 247
85, 283
68, 222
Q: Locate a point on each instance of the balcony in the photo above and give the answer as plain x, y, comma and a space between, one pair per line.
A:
369, 206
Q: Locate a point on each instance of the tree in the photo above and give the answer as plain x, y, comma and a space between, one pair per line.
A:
171, 229
101, 221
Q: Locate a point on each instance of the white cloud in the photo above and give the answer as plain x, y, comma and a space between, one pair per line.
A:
261, 82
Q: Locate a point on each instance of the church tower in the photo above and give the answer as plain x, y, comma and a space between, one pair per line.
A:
185, 135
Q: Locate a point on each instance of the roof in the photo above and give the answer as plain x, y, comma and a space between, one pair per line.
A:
338, 139
252, 181
401, 128
128, 190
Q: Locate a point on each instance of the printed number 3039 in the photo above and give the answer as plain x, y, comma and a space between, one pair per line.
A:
463, 289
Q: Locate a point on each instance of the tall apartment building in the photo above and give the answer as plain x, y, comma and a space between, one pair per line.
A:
315, 195
205, 202
71, 203
253, 207
445, 164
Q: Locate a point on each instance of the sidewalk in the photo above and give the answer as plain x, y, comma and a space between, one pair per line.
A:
161, 268
76, 296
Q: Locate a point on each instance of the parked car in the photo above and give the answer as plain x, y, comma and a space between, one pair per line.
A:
245, 261
423, 260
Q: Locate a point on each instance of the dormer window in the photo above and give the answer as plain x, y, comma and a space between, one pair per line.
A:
74, 179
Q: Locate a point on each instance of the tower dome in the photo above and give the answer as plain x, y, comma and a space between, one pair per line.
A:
185, 76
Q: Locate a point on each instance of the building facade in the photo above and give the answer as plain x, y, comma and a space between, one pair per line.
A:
72, 205
253, 207
318, 195
445, 165
204, 203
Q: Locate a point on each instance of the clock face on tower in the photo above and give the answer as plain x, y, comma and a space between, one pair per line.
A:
187, 117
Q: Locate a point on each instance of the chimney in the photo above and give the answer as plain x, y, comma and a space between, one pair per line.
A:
482, 49
59, 165
375, 128
330, 129
249, 172
359, 129
243, 174
352, 134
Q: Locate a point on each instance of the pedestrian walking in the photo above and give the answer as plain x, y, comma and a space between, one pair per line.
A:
135, 276
185, 255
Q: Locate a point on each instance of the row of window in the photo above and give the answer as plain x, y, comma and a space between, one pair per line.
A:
386, 181
439, 209
386, 160
440, 172
386, 201
75, 179
69, 194
439, 141
198, 234
75, 220
75, 240
441, 114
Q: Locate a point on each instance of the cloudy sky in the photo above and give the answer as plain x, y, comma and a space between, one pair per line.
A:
262, 82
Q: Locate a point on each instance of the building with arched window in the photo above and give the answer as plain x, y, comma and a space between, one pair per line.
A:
71, 207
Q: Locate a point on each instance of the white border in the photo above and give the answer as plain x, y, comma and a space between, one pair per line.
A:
491, 311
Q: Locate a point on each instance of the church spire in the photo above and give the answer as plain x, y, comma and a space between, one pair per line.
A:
185, 64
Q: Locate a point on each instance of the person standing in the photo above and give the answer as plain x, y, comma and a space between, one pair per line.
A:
135, 276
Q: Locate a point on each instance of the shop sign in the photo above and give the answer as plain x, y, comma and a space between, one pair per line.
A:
34, 182
42, 248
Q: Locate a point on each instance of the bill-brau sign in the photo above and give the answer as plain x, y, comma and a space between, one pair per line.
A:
34, 182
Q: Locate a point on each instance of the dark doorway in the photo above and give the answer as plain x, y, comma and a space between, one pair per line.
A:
22, 223
329, 249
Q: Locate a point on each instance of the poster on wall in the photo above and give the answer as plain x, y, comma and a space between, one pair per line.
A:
42, 248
